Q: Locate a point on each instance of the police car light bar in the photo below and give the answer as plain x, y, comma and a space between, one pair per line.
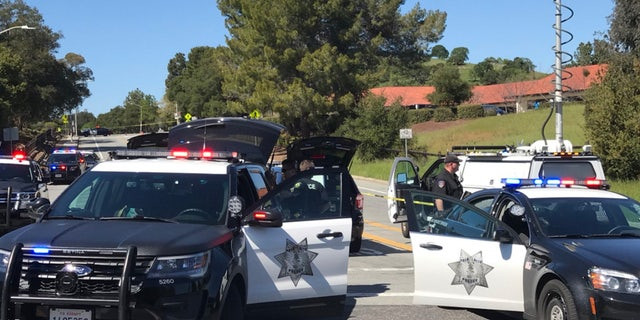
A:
65, 150
591, 183
177, 153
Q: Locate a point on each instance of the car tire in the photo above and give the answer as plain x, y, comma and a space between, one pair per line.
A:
404, 226
233, 308
355, 245
556, 302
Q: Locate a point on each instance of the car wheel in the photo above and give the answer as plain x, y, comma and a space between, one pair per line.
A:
355, 245
404, 226
233, 308
556, 302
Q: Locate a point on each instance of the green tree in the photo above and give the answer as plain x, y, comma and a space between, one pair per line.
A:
377, 128
612, 118
485, 73
451, 90
440, 52
583, 55
140, 112
458, 56
310, 61
624, 28
36, 85
612, 105
86, 120
195, 85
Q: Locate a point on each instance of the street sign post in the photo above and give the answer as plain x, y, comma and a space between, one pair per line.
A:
406, 134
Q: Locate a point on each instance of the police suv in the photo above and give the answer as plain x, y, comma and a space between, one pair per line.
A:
550, 248
22, 177
65, 165
483, 167
200, 234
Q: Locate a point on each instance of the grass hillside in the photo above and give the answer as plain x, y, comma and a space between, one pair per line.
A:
509, 129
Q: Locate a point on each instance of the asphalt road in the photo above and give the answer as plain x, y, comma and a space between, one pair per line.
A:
380, 279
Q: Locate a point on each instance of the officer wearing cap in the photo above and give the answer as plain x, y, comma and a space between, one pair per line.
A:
447, 182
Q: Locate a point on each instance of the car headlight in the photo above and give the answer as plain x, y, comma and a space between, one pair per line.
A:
192, 266
4, 262
26, 195
616, 281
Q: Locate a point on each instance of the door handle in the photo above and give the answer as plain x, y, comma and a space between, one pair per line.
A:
330, 235
430, 246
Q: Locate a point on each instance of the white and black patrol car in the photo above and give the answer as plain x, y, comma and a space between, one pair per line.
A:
23, 177
198, 235
483, 167
546, 247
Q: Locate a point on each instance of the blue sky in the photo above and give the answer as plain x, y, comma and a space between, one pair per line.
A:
128, 43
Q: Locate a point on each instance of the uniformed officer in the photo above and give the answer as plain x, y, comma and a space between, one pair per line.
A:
447, 182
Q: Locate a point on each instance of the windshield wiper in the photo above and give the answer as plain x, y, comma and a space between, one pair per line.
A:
140, 218
70, 217
584, 236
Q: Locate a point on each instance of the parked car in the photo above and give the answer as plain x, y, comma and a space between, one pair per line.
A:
90, 157
96, 131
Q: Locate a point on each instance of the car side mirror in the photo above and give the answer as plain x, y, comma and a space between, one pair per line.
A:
235, 205
38, 208
266, 219
502, 236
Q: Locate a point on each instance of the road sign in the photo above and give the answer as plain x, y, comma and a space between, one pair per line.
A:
65, 119
255, 114
406, 134
187, 116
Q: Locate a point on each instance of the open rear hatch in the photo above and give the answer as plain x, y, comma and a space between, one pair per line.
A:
323, 151
253, 139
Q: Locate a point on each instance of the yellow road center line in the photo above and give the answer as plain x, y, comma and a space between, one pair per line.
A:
386, 241
383, 226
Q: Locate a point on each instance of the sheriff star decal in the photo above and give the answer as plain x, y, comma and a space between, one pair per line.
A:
470, 271
295, 261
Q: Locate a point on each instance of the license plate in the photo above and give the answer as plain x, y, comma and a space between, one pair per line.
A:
69, 314
58, 175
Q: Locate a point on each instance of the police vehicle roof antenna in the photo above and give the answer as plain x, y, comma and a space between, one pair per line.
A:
557, 68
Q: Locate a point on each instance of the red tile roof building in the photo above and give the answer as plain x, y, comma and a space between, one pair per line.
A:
516, 95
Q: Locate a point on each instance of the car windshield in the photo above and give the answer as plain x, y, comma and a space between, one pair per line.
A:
62, 157
15, 172
175, 197
587, 216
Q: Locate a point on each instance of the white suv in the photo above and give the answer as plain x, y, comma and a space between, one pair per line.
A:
483, 167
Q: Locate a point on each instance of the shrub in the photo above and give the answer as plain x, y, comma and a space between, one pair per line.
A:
470, 111
443, 114
420, 115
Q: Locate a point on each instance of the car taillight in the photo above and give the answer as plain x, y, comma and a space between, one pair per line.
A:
63, 167
260, 215
360, 201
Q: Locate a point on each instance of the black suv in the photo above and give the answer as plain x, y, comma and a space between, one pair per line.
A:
199, 233
96, 131
65, 165
25, 179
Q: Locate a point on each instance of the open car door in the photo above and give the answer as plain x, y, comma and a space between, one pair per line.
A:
404, 175
304, 262
463, 257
